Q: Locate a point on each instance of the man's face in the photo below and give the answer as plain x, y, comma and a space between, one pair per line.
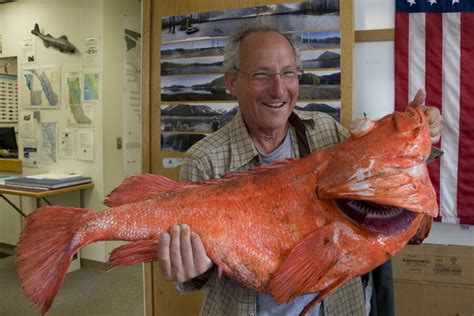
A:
265, 107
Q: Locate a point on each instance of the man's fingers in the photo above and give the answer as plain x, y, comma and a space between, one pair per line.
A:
164, 256
186, 252
175, 252
202, 262
419, 98
435, 121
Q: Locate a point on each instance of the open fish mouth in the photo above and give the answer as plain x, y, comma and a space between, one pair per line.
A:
388, 220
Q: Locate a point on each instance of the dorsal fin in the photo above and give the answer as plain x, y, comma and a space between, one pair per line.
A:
141, 187
235, 175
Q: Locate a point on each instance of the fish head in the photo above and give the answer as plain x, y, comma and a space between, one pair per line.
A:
379, 177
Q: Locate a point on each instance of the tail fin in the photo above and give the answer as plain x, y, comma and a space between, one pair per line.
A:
45, 252
36, 30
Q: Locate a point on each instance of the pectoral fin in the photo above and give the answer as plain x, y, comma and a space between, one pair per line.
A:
305, 265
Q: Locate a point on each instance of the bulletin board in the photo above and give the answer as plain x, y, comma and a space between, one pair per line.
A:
188, 92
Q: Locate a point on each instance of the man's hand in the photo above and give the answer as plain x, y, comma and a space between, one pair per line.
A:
181, 255
435, 120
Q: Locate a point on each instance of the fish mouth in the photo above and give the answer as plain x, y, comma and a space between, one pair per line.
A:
388, 220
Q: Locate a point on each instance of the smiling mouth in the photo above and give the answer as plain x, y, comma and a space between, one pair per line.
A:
388, 220
274, 105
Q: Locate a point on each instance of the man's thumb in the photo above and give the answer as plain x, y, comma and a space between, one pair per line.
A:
419, 98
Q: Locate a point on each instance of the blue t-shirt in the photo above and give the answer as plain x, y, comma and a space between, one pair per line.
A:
266, 305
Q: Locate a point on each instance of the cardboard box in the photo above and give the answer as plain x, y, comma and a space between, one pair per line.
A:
434, 280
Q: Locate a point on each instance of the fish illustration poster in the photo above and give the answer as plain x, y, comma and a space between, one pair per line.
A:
193, 93
40, 87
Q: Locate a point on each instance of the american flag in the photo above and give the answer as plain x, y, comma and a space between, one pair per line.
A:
434, 50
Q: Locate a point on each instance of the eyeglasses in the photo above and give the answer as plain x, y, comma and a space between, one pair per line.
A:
263, 78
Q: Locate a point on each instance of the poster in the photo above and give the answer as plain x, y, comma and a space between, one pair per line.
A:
92, 85
30, 153
85, 145
8, 98
28, 48
40, 87
27, 125
92, 51
48, 142
66, 146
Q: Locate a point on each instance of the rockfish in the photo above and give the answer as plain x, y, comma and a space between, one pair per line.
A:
299, 226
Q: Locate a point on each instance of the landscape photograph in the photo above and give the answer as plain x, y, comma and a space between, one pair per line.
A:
333, 108
320, 85
200, 48
194, 88
192, 66
317, 40
321, 59
320, 15
202, 118
179, 142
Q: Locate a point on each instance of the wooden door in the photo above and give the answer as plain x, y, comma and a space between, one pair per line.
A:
161, 297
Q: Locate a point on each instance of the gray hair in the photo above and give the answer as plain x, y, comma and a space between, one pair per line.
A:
231, 50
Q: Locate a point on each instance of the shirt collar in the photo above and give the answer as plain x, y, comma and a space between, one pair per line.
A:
242, 148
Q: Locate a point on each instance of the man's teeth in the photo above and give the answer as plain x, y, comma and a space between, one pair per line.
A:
274, 104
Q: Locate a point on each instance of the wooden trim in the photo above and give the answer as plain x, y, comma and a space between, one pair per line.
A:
346, 15
149, 280
147, 19
11, 165
379, 35
96, 265
7, 248
39, 193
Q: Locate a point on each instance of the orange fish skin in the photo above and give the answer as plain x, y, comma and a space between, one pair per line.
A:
251, 224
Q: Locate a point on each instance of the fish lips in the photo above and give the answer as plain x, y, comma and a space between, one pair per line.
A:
408, 188
387, 201
387, 220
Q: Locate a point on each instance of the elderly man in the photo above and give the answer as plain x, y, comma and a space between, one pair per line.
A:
262, 69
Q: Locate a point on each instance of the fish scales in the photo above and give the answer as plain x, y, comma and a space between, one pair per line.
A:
300, 226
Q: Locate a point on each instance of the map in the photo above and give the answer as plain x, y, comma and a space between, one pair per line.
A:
74, 89
82, 114
48, 140
79, 113
91, 86
40, 87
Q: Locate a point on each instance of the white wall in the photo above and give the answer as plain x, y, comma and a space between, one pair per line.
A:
78, 20
374, 91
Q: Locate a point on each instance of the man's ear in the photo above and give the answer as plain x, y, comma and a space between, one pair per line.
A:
231, 82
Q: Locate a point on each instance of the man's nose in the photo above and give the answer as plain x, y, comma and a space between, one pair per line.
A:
277, 86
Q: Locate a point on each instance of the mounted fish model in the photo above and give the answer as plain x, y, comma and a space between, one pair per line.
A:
295, 227
60, 43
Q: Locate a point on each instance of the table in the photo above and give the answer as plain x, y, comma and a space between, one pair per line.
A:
42, 194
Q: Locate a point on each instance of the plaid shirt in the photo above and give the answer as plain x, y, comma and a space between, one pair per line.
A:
230, 149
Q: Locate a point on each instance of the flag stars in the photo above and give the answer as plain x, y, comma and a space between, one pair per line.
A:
412, 2
455, 1
433, 2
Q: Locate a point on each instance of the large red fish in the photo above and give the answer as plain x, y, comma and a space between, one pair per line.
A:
301, 226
